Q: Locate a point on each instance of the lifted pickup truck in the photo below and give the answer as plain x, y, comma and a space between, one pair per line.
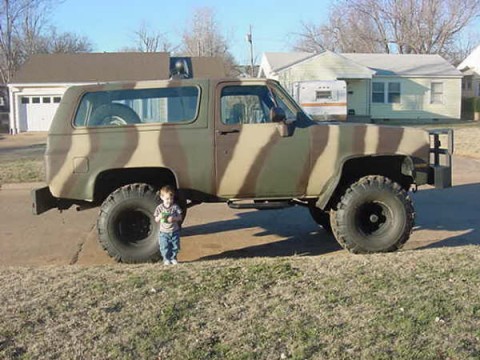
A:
242, 142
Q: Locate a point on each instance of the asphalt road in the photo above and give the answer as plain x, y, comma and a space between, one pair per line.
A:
449, 217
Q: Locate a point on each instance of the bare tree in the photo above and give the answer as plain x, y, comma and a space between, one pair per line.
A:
24, 31
202, 37
66, 42
392, 26
30, 27
148, 40
11, 14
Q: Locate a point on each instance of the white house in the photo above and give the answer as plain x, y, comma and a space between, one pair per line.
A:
470, 68
379, 86
37, 88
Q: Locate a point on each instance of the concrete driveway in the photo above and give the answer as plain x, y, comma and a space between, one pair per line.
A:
449, 217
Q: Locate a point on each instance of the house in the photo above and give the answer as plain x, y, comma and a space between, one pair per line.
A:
37, 88
470, 68
379, 86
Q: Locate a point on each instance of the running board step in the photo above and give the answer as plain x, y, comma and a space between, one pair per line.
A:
263, 205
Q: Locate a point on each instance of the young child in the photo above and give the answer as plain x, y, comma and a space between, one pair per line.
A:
169, 215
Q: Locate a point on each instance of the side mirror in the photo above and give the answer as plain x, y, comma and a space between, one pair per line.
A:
277, 115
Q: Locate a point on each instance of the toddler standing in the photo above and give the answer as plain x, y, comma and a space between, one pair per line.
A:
169, 215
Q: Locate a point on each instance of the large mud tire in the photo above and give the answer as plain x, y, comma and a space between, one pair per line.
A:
126, 227
321, 217
374, 215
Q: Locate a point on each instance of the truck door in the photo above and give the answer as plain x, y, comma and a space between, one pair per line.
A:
252, 158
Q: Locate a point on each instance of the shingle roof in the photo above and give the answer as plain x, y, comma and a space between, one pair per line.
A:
405, 64
102, 67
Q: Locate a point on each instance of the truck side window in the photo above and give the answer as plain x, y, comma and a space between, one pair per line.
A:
138, 106
245, 104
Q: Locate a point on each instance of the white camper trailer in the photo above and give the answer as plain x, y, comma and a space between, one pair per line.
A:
322, 99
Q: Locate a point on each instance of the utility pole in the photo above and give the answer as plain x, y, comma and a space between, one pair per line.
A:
249, 39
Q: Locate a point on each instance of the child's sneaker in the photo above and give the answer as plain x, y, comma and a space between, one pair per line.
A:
167, 262
173, 262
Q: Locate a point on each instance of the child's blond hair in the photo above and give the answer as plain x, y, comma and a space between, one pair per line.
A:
167, 189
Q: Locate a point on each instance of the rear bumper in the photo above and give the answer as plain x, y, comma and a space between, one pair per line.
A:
441, 150
42, 200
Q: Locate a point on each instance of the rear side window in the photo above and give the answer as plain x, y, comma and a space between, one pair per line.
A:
140, 106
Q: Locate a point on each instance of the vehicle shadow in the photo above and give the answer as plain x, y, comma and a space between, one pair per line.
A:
295, 231
456, 209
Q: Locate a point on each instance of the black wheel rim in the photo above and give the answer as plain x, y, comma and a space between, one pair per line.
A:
133, 226
373, 218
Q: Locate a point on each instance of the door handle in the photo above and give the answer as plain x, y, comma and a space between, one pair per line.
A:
224, 132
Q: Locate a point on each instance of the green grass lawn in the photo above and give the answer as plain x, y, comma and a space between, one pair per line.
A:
421, 304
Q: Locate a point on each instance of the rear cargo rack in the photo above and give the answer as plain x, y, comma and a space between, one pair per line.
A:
441, 157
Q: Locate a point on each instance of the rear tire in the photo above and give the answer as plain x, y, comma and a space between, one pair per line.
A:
374, 215
126, 227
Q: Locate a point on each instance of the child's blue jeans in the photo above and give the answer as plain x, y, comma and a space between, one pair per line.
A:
169, 244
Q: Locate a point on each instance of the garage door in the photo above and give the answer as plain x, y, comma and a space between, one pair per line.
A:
36, 112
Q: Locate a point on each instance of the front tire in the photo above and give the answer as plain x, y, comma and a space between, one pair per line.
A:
126, 227
374, 215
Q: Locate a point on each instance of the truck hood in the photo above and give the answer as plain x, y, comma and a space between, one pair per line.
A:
348, 140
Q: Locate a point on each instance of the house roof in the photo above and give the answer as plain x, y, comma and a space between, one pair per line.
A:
381, 64
279, 60
103, 67
472, 61
405, 64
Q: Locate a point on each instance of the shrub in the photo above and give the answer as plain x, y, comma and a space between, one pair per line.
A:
469, 106
476, 104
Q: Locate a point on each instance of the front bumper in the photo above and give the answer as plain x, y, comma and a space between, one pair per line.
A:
440, 167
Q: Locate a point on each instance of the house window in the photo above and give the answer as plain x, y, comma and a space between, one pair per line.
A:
394, 93
382, 96
46, 100
378, 92
25, 100
57, 99
436, 91
36, 100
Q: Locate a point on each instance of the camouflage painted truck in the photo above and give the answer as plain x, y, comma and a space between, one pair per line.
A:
242, 142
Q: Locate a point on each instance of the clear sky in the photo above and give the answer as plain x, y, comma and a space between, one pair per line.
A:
109, 24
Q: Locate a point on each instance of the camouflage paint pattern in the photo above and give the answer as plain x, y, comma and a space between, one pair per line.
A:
254, 162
